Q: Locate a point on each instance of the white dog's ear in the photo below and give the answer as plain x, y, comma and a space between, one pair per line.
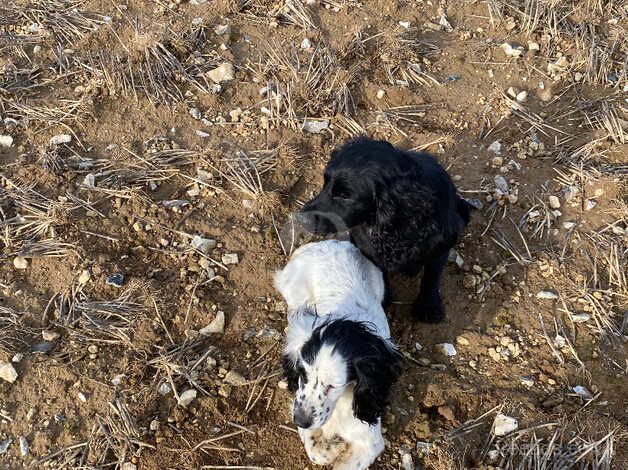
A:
300, 327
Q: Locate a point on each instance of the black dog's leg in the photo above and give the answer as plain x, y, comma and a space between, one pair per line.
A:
387, 291
428, 307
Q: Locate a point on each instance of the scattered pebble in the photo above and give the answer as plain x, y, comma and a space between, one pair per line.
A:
50, 335
187, 397
222, 30
6, 141
8, 372
204, 245
82, 397
495, 147
314, 126
406, 461
444, 22
84, 277
582, 391
23, 446
217, 325
547, 294
195, 113
501, 183
60, 139
533, 46
522, 96
589, 204
20, 263
380, 94
580, 317
569, 225
4, 445
447, 349
554, 202
230, 258
130, 465
527, 381
116, 280
224, 390
404, 24
164, 389
306, 44
17, 358
462, 341
235, 379
512, 50
503, 425
222, 73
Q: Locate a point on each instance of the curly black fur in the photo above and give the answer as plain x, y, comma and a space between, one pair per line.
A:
401, 209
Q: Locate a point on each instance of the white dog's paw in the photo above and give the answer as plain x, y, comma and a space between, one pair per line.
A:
322, 451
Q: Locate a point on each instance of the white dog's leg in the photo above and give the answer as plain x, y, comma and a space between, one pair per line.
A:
320, 449
364, 443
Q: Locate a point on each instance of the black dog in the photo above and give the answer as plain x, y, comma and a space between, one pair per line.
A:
401, 209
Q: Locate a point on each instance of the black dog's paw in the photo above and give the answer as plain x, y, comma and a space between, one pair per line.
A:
428, 310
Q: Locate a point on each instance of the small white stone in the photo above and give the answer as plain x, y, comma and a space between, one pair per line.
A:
554, 202
580, 317
84, 277
447, 349
511, 92
522, 96
235, 379
495, 147
23, 446
533, 46
512, 50
404, 24
6, 141
503, 425
223, 73
154, 425
60, 139
282, 385
82, 397
164, 389
462, 341
501, 183
589, 204
314, 126
547, 294
187, 397
380, 94
130, 465
569, 225
204, 245
406, 462
418, 346
50, 335
20, 263
222, 29
8, 372
230, 258
217, 325
527, 381
195, 113
306, 44
582, 391
17, 358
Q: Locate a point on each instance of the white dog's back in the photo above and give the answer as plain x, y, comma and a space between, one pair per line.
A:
333, 277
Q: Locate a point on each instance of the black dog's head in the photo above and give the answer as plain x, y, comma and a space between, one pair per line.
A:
354, 181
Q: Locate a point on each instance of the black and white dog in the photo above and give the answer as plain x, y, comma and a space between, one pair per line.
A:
401, 209
338, 358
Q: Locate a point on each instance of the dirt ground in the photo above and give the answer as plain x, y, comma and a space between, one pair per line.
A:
111, 309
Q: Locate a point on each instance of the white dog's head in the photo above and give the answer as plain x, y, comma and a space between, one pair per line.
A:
337, 355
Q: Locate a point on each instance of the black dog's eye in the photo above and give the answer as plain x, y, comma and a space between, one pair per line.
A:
340, 190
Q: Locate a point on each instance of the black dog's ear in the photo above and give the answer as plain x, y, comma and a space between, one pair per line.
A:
375, 377
290, 372
402, 199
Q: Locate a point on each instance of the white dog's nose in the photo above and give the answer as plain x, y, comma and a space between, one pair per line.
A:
301, 418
